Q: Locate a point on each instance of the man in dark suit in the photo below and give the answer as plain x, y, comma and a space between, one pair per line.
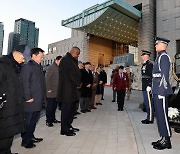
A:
104, 79
69, 82
34, 93
120, 84
86, 89
161, 89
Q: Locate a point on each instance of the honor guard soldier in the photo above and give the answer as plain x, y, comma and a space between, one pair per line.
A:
146, 71
161, 89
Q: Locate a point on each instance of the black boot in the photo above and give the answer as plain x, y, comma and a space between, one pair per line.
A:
165, 143
154, 143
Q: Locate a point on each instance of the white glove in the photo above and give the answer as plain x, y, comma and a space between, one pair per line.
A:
161, 97
148, 88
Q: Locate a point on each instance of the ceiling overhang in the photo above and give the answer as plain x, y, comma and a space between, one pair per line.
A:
114, 20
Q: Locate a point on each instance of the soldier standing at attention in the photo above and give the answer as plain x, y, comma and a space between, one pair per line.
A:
161, 89
146, 71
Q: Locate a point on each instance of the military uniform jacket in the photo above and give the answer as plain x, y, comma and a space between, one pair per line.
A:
146, 72
161, 85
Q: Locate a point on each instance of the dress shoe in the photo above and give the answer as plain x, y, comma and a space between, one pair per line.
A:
68, 133
74, 129
102, 98
83, 111
146, 122
94, 107
35, 140
88, 110
154, 143
100, 103
113, 100
49, 124
165, 143
77, 113
14, 153
74, 117
29, 145
56, 121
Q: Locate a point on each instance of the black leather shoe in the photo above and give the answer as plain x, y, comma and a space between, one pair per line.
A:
29, 145
154, 143
14, 153
118, 109
56, 121
113, 100
74, 129
74, 117
83, 111
165, 143
49, 124
68, 133
100, 103
146, 122
88, 110
78, 113
35, 140
94, 107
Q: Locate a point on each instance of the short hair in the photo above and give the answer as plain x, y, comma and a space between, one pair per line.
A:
58, 57
36, 51
121, 67
75, 47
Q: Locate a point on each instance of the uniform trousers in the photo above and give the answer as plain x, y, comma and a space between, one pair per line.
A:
31, 119
161, 109
148, 102
51, 110
120, 98
67, 114
5, 145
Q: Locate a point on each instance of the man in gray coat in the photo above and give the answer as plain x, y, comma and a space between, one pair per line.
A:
52, 79
34, 92
69, 81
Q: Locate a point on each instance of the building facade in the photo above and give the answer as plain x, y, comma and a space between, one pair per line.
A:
25, 32
119, 27
1, 37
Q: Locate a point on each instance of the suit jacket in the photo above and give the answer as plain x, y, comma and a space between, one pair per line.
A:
87, 78
120, 83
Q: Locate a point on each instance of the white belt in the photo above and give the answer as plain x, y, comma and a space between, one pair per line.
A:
157, 75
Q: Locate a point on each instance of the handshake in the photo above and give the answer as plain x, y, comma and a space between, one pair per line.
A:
148, 88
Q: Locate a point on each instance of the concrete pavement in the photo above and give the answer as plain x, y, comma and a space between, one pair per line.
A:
102, 131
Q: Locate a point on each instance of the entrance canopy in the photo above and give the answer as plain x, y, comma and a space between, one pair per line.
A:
113, 19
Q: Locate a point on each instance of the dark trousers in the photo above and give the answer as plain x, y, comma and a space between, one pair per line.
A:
5, 145
114, 94
31, 119
161, 109
120, 98
149, 105
67, 114
51, 110
102, 92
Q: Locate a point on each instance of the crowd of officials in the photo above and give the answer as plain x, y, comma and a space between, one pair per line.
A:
73, 86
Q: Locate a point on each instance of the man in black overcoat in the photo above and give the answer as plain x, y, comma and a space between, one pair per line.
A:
69, 81
11, 110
